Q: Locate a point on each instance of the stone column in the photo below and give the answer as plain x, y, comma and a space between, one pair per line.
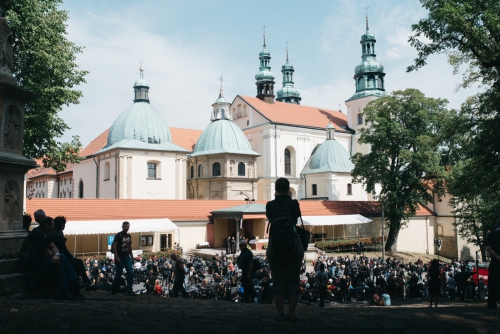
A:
13, 165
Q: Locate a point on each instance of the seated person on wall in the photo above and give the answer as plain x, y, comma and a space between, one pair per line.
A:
40, 254
57, 236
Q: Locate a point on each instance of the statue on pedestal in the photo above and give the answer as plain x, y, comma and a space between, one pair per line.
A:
5, 46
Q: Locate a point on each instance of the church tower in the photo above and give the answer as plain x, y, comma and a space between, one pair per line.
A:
265, 78
288, 93
370, 85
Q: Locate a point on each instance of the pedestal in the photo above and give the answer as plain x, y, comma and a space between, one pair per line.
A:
13, 166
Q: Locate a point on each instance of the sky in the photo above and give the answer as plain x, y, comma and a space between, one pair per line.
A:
186, 45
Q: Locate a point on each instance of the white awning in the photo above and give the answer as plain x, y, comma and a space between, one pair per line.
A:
334, 220
114, 226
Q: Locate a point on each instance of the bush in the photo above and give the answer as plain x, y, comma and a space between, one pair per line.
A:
346, 243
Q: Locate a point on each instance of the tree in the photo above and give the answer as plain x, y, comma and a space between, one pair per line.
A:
44, 63
403, 134
468, 31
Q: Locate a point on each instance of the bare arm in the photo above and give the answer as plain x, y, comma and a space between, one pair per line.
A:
492, 253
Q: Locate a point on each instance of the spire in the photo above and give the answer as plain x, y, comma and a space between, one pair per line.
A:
288, 93
330, 131
141, 88
369, 75
264, 35
265, 78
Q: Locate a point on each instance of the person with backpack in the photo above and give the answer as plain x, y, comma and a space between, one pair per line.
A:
493, 248
284, 251
321, 282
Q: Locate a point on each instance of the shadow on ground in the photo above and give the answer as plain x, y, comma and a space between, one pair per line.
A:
102, 313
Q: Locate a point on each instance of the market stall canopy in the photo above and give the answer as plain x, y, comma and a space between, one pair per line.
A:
334, 220
114, 226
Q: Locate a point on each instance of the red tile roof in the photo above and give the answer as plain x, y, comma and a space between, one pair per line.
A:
185, 138
294, 114
183, 210
95, 145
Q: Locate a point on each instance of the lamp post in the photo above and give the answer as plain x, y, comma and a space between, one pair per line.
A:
438, 242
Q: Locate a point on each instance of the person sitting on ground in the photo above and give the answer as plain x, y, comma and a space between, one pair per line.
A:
57, 236
387, 299
40, 254
158, 290
104, 285
377, 298
205, 290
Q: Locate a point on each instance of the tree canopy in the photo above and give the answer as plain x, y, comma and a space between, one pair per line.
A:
403, 132
44, 62
468, 31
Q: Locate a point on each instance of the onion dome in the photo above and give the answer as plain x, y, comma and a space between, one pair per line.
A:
330, 156
288, 93
369, 75
265, 78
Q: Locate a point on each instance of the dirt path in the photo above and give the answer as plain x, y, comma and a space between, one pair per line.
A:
102, 313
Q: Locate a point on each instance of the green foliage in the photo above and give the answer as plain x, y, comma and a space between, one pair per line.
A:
404, 137
346, 243
168, 254
468, 31
44, 63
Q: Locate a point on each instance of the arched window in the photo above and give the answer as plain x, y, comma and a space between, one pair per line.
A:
216, 169
106, 171
241, 169
80, 189
361, 83
349, 189
314, 189
360, 118
288, 166
371, 81
200, 170
192, 172
380, 83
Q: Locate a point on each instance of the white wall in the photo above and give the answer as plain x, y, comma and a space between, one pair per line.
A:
191, 233
417, 236
85, 171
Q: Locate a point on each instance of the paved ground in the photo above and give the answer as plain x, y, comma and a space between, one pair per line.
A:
102, 313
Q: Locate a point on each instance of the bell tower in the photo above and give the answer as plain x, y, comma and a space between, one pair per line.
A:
265, 78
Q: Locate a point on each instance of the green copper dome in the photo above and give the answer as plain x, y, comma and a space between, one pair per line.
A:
288, 93
140, 121
330, 156
222, 136
369, 65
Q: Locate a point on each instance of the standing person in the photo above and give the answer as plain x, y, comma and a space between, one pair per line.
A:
321, 282
434, 282
122, 249
245, 263
228, 245
493, 248
233, 245
284, 252
57, 236
179, 275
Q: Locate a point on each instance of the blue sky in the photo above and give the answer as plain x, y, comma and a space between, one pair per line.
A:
186, 45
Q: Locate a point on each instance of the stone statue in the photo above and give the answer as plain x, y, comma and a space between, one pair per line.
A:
11, 201
12, 127
5, 46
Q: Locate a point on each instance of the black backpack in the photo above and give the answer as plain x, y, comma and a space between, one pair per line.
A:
282, 234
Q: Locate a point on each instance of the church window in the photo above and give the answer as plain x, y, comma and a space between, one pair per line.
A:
200, 170
360, 119
192, 172
349, 189
80, 189
106, 171
216, 169
361, 83
151, 170
368, 48
69, 194
379, 83
241, 169
244, 110
314, 189
288, 166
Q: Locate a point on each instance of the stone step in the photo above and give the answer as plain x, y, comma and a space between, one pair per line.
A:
12, 283
9, 266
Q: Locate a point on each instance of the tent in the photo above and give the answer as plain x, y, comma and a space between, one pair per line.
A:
333, 220
83, 227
